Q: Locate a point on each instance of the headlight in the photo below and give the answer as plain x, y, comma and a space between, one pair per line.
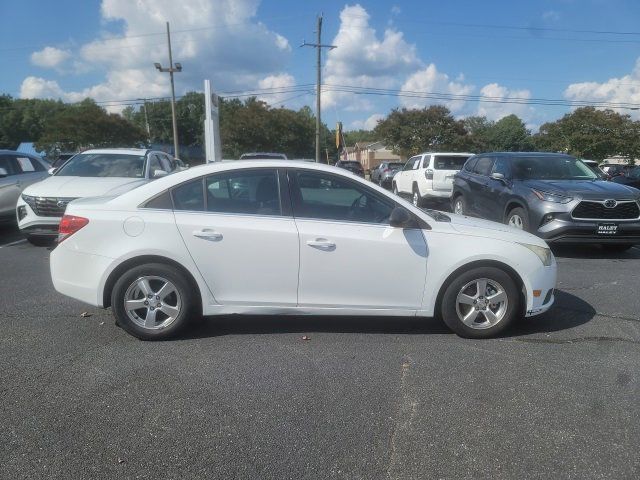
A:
543, 253
31, 201
551, 197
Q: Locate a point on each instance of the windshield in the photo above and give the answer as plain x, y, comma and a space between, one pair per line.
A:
449, 162
104, 165
551, 168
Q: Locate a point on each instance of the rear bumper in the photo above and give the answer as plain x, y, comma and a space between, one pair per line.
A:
443, 194
78, 275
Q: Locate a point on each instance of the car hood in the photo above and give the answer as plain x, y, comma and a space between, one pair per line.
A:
586, 189
488, 229
78, 187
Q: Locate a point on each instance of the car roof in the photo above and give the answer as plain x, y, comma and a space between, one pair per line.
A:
524, 154
15, 152
462, 154
126, 151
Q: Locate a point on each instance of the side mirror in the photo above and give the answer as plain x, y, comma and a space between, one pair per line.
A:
498, 176
159, 173
3, 173
52, 170
401, 218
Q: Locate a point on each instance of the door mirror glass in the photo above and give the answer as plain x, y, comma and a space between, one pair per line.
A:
401, 218
3, 173
160, 173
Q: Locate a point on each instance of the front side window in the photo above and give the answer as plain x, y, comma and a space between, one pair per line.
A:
484, 165
252, 192
330, 197
409, 164
470, 164
154, 164
103, 165
502, 166
7, 163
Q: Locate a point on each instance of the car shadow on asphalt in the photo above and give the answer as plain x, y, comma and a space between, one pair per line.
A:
568, 312
593, 252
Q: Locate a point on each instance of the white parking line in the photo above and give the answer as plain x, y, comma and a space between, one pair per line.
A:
13, 243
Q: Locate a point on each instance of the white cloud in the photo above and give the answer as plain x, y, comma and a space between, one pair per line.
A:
496, 110
50, 57
363, 59
368, 124
36, 87
430, 80
625, 89
276, 83
216, 39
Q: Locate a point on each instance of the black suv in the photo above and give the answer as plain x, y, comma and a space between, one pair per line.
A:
352, 166
554, 196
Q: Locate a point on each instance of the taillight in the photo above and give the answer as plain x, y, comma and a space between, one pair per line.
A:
428, 174
386, 170
69, 225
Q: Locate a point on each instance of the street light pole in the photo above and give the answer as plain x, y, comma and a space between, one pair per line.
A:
146, 118
172, 69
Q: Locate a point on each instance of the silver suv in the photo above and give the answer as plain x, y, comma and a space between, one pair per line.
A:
17, 171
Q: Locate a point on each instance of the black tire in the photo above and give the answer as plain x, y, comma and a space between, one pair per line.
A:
41, 240
615, 248
518, 213
463, 205
449, 310
185, 294
416, 199
394, 187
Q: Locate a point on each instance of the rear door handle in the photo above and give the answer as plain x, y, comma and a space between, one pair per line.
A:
207, 234
321, 244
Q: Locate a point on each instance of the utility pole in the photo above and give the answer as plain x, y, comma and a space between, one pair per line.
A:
318, 46
172, 69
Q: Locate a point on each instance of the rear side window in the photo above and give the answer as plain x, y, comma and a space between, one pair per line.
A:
484, 165
27, 164
189, 196
449, 162
254, 192
161, 202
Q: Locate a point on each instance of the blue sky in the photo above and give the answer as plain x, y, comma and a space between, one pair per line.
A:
548, 49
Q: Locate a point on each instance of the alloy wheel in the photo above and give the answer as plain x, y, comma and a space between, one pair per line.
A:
516, 221
152, 302
416, 199
457, 207
481, 303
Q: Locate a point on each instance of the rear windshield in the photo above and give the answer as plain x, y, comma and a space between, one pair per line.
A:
103, 165
550, 168
263, 156
446, 162
396, 165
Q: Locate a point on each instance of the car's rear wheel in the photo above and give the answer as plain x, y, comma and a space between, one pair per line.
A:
518, 218
480, 303
153, 301
459, 206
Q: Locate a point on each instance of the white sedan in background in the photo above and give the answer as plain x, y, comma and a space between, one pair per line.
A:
285, 237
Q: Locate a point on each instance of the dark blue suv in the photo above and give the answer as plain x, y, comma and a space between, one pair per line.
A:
554, 196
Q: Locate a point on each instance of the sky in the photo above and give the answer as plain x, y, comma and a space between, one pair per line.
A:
390, 54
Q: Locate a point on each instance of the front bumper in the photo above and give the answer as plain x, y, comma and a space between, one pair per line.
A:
539, 288
582, 231
35, 225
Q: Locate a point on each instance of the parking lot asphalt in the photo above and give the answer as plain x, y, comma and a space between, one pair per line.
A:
362, 398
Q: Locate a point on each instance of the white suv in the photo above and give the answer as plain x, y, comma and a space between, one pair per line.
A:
91, 173
428, 175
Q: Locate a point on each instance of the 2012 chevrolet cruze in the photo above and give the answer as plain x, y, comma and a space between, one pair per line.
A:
283, 237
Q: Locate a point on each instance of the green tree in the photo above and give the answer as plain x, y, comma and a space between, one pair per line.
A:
25, 119
509, 134
477, 130
591, 133
87, 125
409, 131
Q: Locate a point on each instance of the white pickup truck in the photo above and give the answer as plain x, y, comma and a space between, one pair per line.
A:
428, 175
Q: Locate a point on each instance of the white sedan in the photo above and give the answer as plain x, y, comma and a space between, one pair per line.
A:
283, 237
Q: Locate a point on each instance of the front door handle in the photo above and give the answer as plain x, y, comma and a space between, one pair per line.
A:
322, 244
207, 234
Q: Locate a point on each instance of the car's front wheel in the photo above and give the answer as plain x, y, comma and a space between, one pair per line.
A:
518, 218
153, 301
416, 199
480, 302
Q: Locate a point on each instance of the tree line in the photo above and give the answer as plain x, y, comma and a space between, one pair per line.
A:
253, 125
